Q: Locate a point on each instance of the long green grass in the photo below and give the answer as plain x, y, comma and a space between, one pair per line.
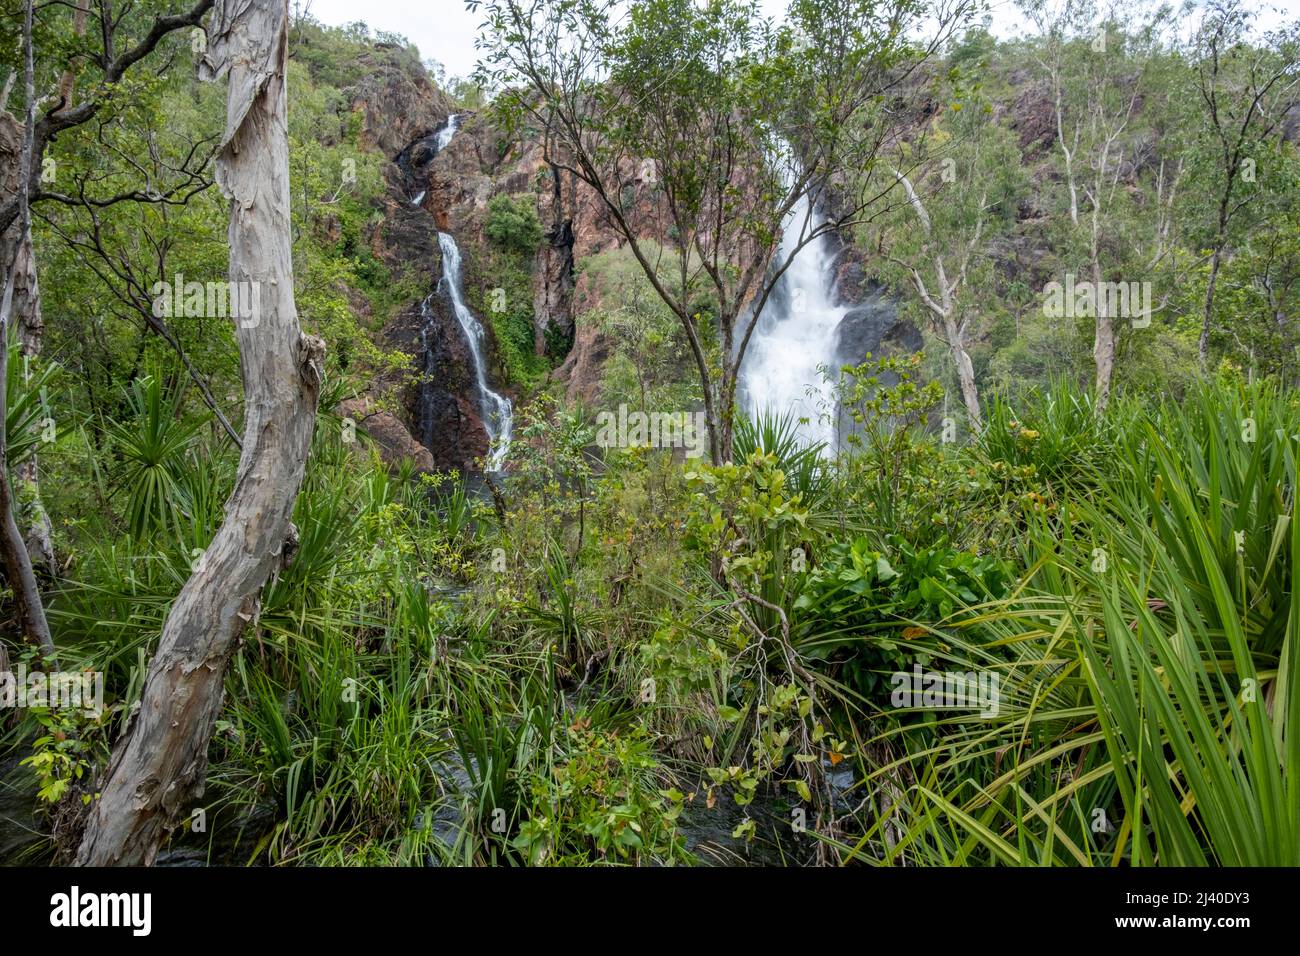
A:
1149, 697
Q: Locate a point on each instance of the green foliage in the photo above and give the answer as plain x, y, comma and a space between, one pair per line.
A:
66, 753
863, 607
512, 224
1136, 658
505, 287
600, 804
599, 655
27, 423
778, 436
649, 363
1055, 434
154, 449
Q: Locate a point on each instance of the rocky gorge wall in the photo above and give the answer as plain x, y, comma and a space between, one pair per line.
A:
428, 190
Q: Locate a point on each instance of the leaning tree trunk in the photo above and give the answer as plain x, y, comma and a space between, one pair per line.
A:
159, 766
13, 547
33, 519
25, 317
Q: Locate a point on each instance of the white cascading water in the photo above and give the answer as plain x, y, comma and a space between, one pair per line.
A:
495, 409
498, 415
796, 335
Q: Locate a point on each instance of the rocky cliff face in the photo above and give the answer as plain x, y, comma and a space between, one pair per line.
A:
479, 164
448, 190
402, 115
398, 103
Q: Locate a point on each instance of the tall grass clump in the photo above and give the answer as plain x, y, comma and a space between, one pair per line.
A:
1149, 699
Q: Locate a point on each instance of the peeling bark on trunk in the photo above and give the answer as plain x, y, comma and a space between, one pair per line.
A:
1207, 312
33, 519
970, 396
160, 765
1103, 353
1103, 345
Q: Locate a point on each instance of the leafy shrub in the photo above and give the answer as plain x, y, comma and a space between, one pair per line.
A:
860, 608
601, 803
512, 224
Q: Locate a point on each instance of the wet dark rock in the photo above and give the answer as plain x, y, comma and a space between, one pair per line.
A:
873, 327
440, 410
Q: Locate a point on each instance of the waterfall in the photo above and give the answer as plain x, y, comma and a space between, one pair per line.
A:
498, 416
796, 334
495, 409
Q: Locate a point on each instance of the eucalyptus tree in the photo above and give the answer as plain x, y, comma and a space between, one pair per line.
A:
90, 56
699, 127
1099, 64
17, 260
103, 64
1246, 85
159, 766
961, 197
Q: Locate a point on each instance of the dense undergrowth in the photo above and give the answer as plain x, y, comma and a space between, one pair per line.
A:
627, 658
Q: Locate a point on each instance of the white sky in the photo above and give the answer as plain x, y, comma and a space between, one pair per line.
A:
444, 30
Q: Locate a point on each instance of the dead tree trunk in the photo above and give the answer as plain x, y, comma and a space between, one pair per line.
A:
159, 766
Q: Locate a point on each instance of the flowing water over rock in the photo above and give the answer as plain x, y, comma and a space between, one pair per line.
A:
495, 409
498, 415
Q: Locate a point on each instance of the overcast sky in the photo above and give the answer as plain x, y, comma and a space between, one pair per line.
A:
444, 30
